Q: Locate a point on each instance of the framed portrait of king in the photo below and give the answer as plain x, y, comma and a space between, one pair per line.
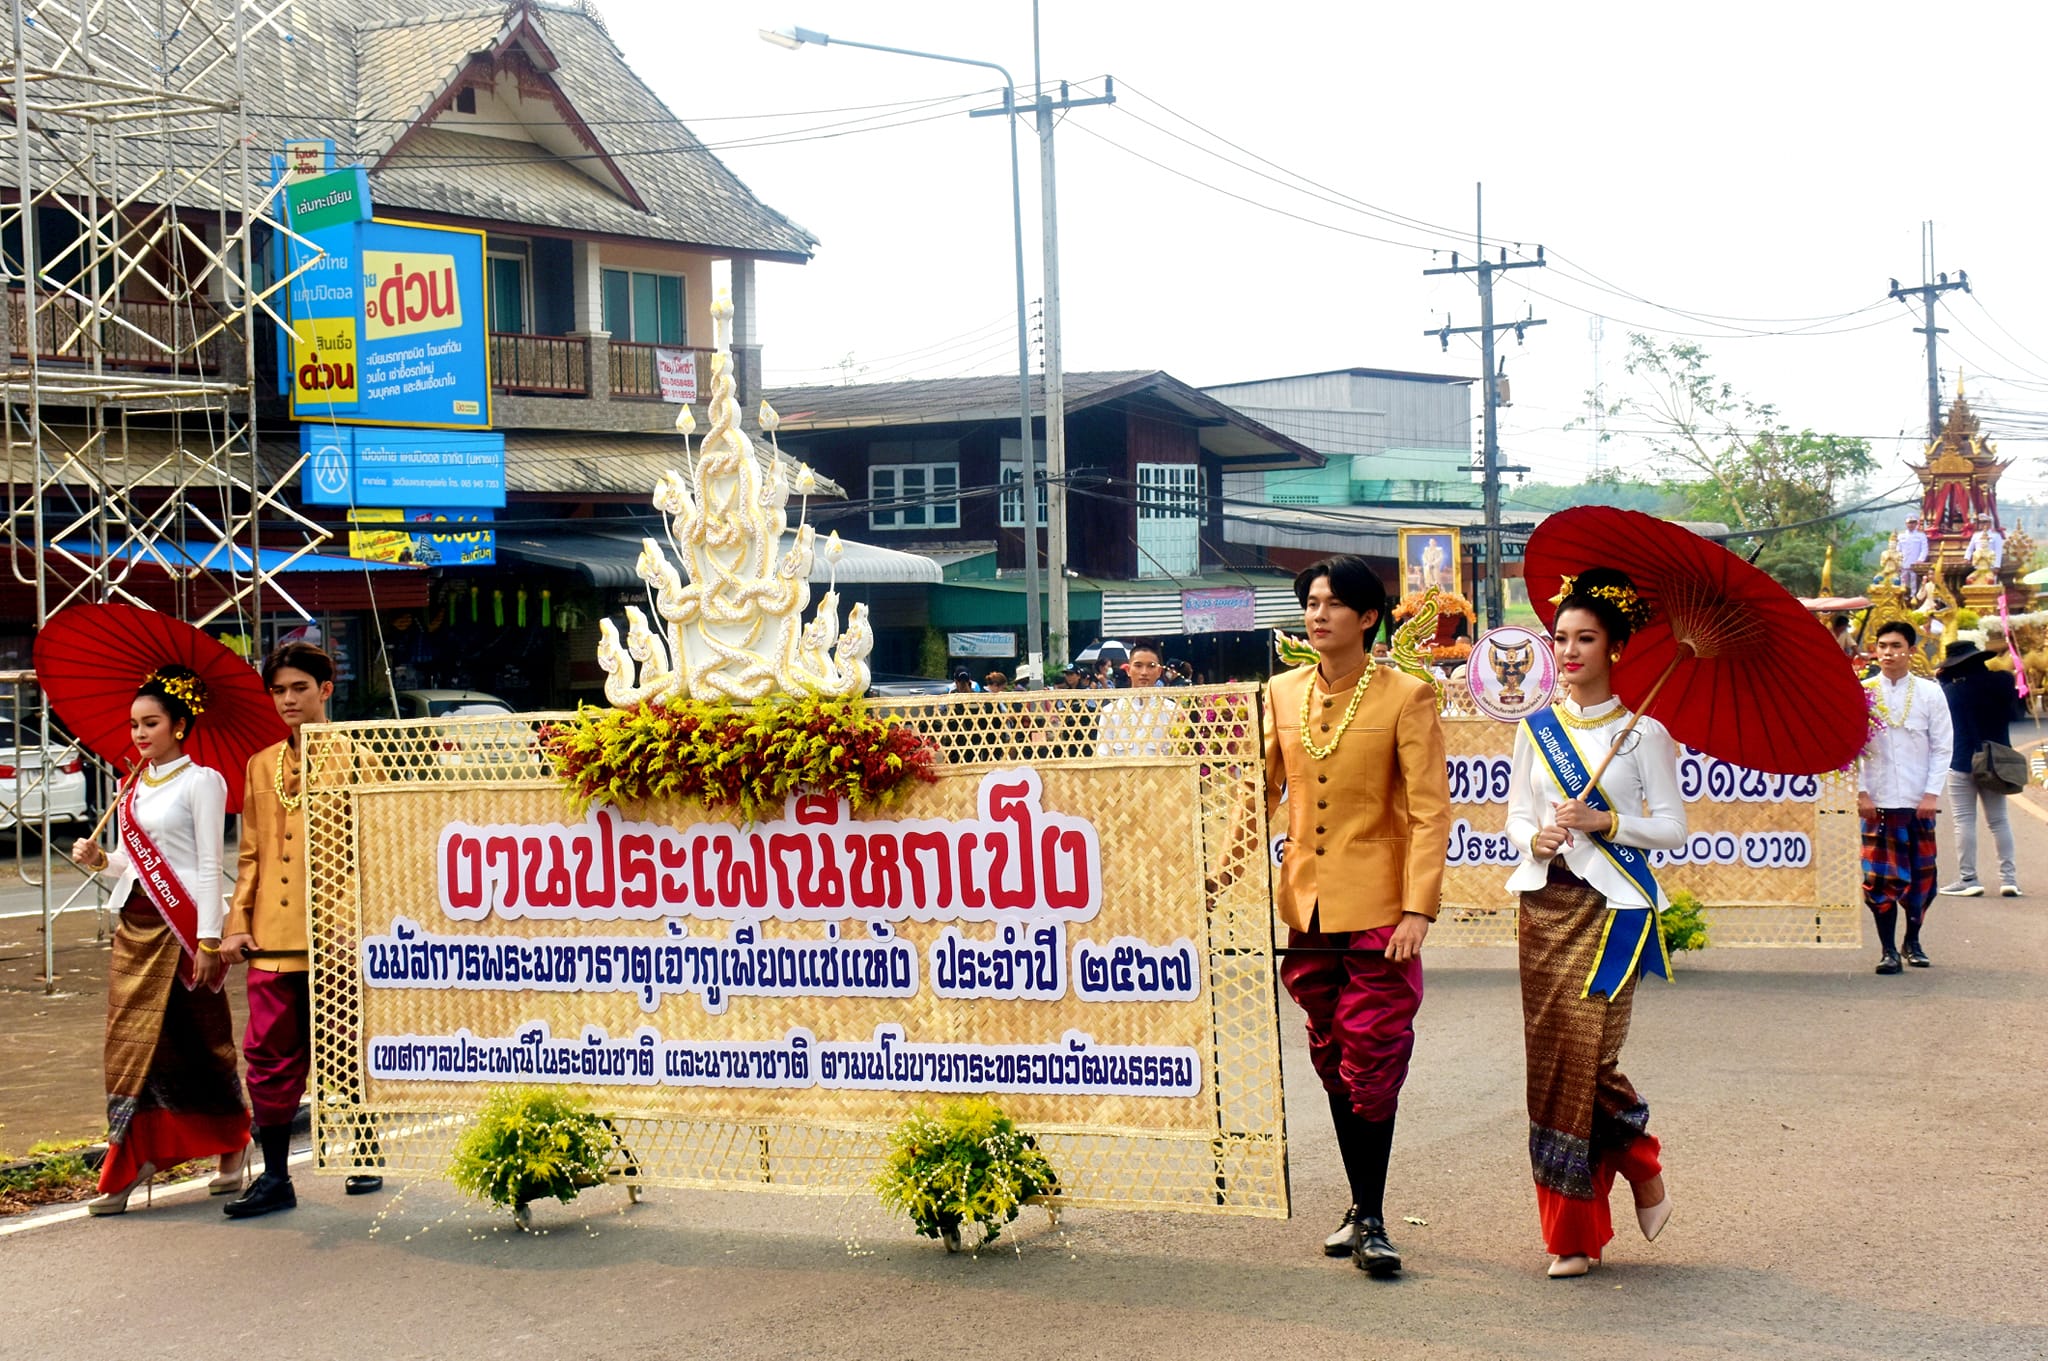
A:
1431, 557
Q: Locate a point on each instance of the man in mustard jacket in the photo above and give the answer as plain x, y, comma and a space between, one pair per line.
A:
267, 925
1355, 755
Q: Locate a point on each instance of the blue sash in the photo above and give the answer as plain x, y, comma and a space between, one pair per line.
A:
1631, 943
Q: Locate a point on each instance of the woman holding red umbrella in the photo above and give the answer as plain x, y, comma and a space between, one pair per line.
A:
1588, 924
172, 1089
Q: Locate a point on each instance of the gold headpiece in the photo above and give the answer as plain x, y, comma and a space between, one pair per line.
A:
1633, 607
188, 690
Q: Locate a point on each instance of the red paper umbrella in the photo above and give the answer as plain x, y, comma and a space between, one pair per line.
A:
91, 659
1734, 663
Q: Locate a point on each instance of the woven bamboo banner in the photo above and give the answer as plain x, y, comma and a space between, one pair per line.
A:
1774, 859
1074, 921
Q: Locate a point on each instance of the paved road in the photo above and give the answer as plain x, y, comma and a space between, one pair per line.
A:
1857, 1163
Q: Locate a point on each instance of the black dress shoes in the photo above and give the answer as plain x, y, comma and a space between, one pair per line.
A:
266, 1194
1890, 963
1374, 1254
1916, 956
363, 1185
1345, 1241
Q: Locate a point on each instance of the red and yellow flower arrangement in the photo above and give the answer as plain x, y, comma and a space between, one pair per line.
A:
749, 758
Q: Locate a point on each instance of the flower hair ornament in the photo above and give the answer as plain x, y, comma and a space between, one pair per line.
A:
1633, 607
188, 689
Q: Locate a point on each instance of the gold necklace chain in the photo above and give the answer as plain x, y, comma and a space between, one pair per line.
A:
1308, 694
1572, 720
1876, 684
159, 781
291, 802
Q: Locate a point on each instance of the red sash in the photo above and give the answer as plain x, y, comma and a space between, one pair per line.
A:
165, 891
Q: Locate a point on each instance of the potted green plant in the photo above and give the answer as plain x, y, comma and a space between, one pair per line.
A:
968, 1162
531, 1142
1684, 924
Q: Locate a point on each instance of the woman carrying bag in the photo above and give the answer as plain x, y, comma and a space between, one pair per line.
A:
1982, 699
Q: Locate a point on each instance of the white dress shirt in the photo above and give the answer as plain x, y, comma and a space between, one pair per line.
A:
186, 816
1912, 548
1989, 536
1139, 723
1641, 783
1903, 764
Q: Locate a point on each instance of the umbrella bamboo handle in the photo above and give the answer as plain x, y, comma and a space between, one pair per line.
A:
1636, 717
112, 804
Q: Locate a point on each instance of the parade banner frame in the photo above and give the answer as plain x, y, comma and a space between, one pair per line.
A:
1195, 814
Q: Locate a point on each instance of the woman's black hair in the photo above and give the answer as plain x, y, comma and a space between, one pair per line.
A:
1607, 593
178, 689
1354, 583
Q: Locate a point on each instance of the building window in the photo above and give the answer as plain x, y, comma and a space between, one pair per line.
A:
1169, 491
914, 496
508, 294
1010, 501
644, 308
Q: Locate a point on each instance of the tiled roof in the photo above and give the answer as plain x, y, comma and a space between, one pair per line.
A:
359, 71
1224, 431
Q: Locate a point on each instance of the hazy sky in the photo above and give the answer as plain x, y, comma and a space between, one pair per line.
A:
1765, 161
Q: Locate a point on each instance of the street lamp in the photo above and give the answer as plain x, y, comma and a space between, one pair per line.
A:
794, 38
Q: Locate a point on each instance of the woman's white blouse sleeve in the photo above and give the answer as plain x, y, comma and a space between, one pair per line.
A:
1525, 805
1663, 827
209, 797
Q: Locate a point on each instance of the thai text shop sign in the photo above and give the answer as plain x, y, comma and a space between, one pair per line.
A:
388, 325
363, 466
1772, 857
1052, 937
430, 538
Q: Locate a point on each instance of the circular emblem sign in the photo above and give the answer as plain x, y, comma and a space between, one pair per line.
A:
1512, 672
330, 469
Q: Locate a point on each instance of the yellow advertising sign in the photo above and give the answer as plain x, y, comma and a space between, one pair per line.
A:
406, 293
324, 361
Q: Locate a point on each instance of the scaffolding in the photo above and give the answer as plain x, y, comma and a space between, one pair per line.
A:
135, 230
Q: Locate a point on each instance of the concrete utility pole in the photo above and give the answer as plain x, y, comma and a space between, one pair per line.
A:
1931, 287
1492, 604
1058, 640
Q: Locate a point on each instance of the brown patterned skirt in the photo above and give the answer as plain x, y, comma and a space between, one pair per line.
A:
173, 1093
1586, 1121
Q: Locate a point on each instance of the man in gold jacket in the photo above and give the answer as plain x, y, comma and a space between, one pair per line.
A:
267, 925
1355, 755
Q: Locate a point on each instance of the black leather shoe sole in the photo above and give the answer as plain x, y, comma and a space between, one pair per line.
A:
1377, 1266
363, 1186
1890, 965
1918, 959
1339, 1249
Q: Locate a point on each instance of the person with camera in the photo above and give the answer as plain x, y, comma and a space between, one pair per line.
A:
1982, 700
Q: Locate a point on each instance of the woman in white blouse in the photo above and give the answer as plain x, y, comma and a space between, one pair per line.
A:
1588, 922
173, 1093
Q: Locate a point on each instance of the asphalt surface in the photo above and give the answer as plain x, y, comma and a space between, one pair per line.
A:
1856, 1161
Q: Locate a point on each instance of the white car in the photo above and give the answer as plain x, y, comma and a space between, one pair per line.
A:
39, 776
494, 744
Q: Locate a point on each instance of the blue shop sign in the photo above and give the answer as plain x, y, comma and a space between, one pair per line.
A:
370, 466
389, 327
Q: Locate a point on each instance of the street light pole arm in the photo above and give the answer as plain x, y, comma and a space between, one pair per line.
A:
827, 40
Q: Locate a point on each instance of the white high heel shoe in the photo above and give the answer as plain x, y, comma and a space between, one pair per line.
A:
1563, 1267
233, 1182
1653, 1218
116, 1202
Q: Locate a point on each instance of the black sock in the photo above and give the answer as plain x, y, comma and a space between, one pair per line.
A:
1365, 1146
1888, 929
276, 1141
1912, 934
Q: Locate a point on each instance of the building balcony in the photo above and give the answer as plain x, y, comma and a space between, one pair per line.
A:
563, 366
133, 335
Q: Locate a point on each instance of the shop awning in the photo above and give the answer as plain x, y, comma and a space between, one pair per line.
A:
610, 560
216, 558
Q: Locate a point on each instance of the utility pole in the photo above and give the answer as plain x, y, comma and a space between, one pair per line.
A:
1493, 604
1931, 287
1058, 640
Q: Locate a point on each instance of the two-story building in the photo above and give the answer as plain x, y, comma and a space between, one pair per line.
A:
608, 224
938, 467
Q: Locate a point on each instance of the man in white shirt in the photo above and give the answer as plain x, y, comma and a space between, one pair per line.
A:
1912, 552
1141, 722
1989, 537
1899, 780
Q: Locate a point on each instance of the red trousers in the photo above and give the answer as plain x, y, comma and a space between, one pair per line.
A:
278, 1044
1361, 1015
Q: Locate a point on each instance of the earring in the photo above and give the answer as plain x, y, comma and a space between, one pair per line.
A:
1614, 656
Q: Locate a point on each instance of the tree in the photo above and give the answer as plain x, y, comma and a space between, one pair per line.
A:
1734, 459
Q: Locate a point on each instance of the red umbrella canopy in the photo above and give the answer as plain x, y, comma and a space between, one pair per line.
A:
91, 659
1755, 679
